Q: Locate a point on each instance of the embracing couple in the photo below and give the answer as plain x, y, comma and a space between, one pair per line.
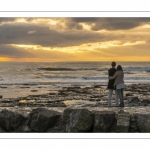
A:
116, 83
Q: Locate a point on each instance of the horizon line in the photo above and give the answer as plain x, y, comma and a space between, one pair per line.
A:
68, 61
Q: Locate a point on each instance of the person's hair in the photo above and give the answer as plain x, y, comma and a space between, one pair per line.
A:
119, 68
113, 63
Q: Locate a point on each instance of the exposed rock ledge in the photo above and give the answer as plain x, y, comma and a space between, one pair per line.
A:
63, 120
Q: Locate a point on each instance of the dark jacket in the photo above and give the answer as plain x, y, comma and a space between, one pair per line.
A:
111, 72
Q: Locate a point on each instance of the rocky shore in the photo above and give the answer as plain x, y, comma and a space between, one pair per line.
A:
77, 109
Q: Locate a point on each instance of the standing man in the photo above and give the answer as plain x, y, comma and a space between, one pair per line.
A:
110, 85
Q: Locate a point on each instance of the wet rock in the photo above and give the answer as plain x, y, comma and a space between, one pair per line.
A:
142, 122
123, 122
52, 93
92, 99
26, 84
44, 96
63, 93
73, 88
97, 86
129, 94
34, 90
103, 121
134, 86
78, 120
146, 101
6, 105
41, 119
96, 96
10, 121
24, 87
6, 101
97, 99
133, 99
59, 105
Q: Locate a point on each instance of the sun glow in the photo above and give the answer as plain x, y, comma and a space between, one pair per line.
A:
22, 20
82, 47
5, 59
26, 46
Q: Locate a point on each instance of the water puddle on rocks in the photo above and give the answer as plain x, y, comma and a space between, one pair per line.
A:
78, 102
26, 101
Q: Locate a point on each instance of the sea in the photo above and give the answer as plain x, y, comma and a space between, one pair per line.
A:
20, 79
81, 73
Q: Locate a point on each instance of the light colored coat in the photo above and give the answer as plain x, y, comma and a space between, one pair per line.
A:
118, 76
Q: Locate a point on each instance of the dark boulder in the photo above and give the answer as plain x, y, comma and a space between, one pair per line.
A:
78, 120
66, 114
41, 119
10, 121
142, 122
103, 121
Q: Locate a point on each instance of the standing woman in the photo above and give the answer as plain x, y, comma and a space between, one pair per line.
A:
119, 84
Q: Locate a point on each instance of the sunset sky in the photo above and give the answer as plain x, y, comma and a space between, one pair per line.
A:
75, 39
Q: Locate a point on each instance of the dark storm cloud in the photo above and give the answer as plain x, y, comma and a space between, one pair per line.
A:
12, 52
18, 34
110, 23
96, 23
119, 23
7, 19
41, 34
83, 19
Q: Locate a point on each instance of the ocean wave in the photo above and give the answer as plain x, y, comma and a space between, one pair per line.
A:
137, 69
56, 69
127, 72
59, 77
73, 69
94, 78
137, 78
76, 77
